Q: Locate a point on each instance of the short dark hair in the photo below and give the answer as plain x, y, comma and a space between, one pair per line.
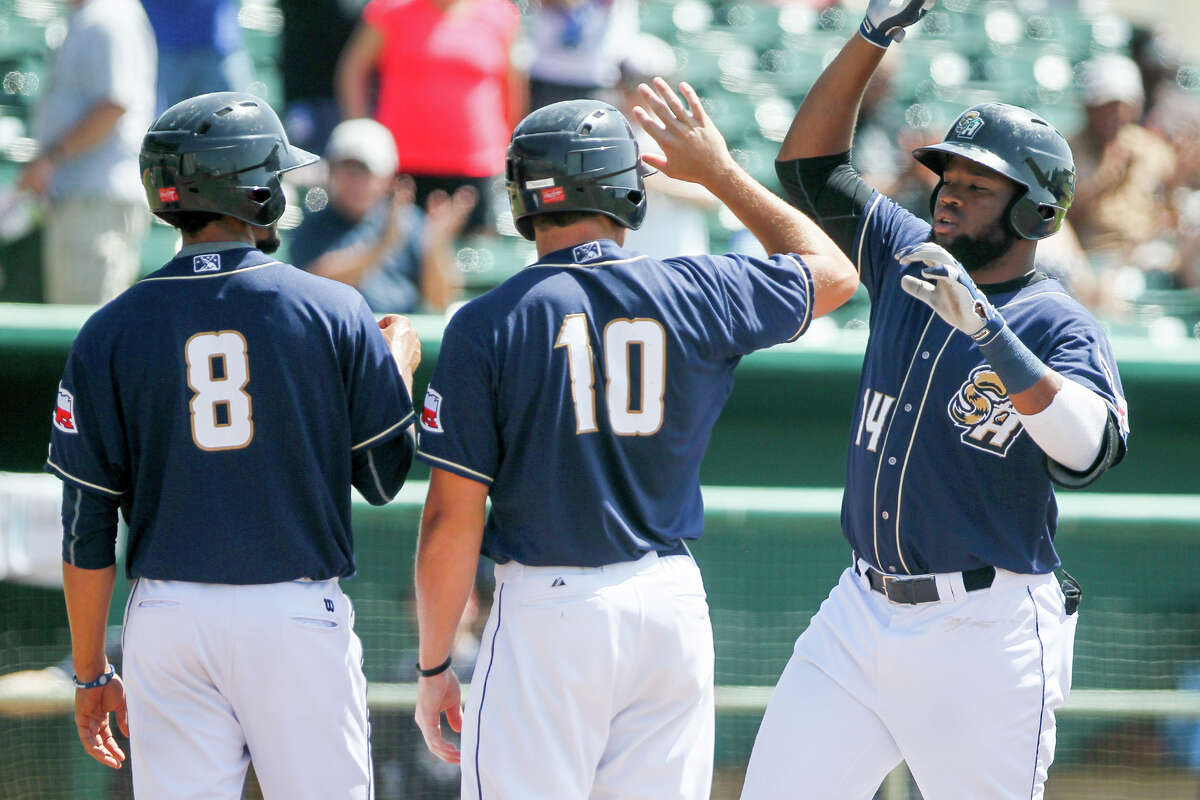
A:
561, 219
189, 222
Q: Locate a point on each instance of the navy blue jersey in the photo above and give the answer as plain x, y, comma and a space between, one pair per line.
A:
940, 475
583, 391
220, 401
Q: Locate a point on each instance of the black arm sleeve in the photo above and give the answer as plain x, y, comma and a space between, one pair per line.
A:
379, 471
830, 191
1110, 450
89, 528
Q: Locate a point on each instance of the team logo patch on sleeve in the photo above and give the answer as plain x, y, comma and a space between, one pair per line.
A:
64, 411
206, 262
431, 414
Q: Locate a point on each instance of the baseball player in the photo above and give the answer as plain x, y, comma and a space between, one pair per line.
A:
579, 396
226, 404
947, 643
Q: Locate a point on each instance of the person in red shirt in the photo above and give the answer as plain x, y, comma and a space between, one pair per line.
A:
448, 89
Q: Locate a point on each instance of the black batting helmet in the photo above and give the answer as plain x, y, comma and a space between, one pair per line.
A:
577, 155
221, 153
1022, 147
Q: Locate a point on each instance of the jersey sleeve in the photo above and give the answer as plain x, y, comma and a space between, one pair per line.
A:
868, 226
885, 229
1082, 352
458, 430
762, 302
87, 444
380, 406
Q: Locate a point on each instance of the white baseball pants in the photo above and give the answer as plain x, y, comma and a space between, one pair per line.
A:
593, 683
218, 676
963, 689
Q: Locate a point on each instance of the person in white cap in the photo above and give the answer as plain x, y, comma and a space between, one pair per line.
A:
1123, 168
364, 230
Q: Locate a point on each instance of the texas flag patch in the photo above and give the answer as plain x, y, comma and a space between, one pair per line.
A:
431, 414
64, 411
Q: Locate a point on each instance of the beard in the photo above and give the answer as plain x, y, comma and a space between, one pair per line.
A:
977, 252
268, 241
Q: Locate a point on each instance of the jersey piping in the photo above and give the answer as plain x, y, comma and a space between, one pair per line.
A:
449, 463
863, 233
808, 301
590, 263
883, 446
237, 271
908, 452
383, 433
88, 484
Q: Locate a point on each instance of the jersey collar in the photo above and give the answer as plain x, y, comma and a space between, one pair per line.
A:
1014, 284
597, 251
212, 259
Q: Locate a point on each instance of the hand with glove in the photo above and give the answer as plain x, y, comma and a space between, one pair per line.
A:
949, 291
886, 19
954, 297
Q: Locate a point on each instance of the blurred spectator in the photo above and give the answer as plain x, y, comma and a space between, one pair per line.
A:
577, 49
369, 234
1121, 197
96, 106
676, 211
448, 89
314, 33
877, 153
200, 49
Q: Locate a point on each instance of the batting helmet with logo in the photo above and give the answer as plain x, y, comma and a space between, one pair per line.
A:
221, 153
577, 155
1022, 147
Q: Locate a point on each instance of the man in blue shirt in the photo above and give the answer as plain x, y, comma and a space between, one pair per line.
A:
366, 231
579, 396
225, 404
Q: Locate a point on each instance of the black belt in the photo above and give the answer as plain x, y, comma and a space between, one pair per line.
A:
903, 589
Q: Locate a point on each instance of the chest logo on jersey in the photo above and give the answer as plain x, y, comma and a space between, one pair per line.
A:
982, 409
207, 262
64, 411
431, 413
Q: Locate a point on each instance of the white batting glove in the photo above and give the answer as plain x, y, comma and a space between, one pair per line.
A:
950, 292
886, 19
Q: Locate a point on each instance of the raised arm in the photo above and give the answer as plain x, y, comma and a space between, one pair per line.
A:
694, 150
824, 123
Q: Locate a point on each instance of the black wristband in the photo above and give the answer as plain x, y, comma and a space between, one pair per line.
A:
438, 670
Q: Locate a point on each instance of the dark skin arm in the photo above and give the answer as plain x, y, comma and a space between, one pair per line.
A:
824, 123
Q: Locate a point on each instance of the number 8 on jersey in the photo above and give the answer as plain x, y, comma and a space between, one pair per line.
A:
218, 370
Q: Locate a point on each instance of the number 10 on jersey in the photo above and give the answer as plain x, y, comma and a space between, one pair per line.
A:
620, 336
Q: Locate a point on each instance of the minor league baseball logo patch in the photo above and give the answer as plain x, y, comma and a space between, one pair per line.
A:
431, 414
968, 125
207, 262
586, 252
64, 411
982, 409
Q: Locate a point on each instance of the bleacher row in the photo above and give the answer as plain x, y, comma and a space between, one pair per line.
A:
752, 63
